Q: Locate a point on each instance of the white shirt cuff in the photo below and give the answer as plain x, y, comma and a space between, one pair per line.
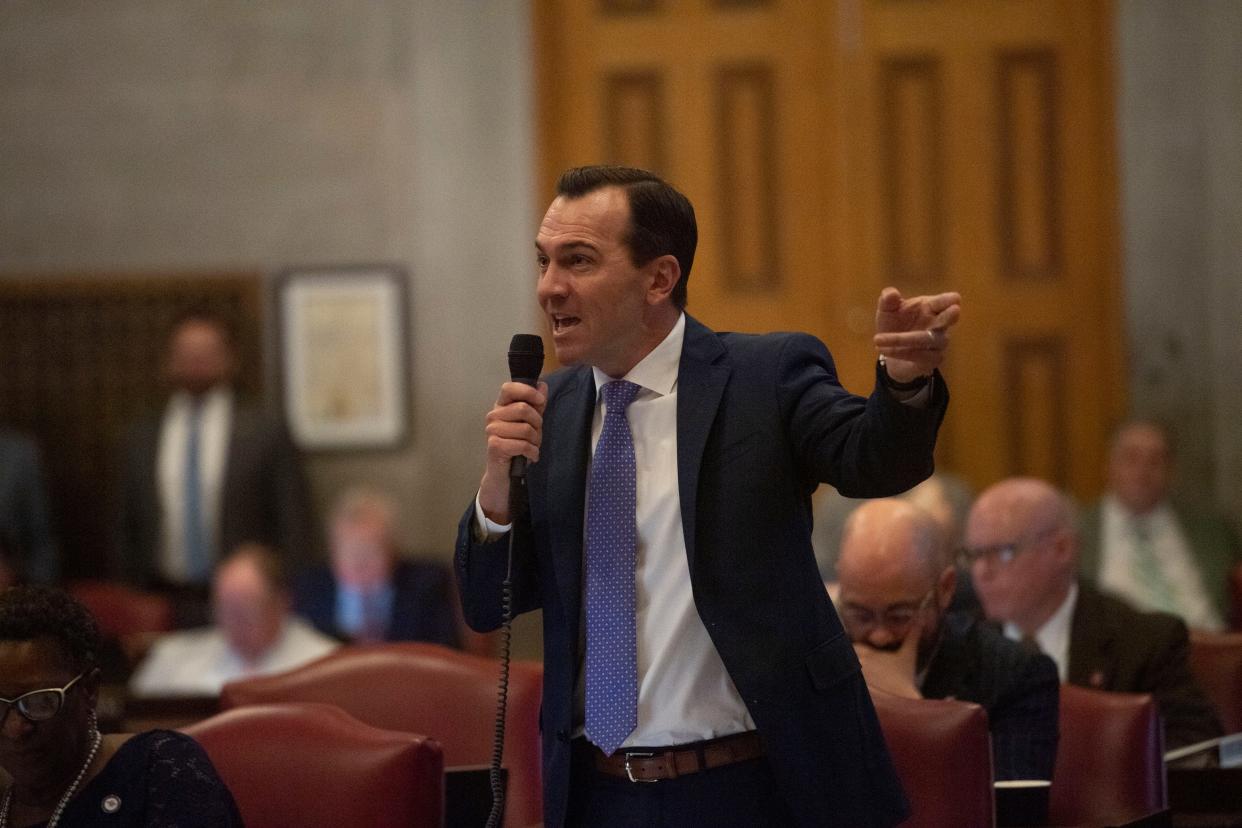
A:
484, 529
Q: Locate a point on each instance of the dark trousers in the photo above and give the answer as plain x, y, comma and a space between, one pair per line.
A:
741, 795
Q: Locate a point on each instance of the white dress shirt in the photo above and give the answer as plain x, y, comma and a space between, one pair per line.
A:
215, 426
684, 692
1053, 637
1180, 573
200, 662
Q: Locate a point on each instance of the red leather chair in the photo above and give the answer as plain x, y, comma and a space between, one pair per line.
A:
943, 755
1110, 759
1216, 659
121, 610
314, 765
425, 688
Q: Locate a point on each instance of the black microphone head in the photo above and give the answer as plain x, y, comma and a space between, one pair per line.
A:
526, 358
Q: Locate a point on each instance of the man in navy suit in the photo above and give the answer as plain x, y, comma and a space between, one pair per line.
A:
688, 641
368, 593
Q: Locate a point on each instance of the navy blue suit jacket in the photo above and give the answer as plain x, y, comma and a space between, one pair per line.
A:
422, 606
1020, 691
761, 421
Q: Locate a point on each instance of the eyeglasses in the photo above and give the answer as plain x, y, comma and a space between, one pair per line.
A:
1001, 554
38, 705
896, 619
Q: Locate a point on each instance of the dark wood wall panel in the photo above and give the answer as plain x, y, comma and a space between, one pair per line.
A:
82, 361
1036, 412
746, 125
1028, 158
634, 115
912, 174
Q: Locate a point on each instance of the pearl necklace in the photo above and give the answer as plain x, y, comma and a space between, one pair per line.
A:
64, 800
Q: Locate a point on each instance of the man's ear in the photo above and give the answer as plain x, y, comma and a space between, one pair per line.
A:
665, 274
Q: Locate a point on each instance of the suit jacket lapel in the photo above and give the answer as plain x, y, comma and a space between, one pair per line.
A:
567, 447
1091, 642
701, 380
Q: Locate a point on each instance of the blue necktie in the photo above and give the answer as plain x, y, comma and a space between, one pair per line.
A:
611, 554
197, 563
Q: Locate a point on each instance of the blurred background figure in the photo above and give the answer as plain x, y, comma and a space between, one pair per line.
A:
27, 546
1022, 541
1156, 554
944, 496
369, 592
896, 581
63, 770
208, 474
254, 633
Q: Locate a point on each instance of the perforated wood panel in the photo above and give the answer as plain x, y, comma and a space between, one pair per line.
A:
81, 360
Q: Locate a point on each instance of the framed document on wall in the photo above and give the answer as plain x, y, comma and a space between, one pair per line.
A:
343, 342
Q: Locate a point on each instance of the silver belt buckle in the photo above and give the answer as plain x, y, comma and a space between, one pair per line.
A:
630, 772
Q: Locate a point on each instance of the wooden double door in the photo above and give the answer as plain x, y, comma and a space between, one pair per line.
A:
833, 148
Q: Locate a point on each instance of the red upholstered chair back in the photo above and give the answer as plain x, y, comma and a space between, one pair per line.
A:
1216, 659
121, 610
425, 688
1110, 758
943, 755
314, 765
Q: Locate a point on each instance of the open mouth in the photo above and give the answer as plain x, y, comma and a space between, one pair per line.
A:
562, 323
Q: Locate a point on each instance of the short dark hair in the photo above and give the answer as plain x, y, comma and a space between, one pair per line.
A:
661, 218
28, 613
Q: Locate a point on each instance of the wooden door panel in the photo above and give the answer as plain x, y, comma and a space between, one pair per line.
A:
832, 148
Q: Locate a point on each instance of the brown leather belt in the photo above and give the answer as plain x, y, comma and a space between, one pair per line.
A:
655, 764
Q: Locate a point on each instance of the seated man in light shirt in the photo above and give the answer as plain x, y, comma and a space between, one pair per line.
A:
1157, 554
254, 633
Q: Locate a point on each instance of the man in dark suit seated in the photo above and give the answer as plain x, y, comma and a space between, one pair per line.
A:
1155, 552
1022, 541
896, 582
368, 593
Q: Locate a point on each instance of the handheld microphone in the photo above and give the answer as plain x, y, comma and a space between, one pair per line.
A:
525, 365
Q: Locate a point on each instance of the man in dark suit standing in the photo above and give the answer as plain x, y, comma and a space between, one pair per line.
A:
1023, 542
897, 580
368, 593
688, 640
208, 474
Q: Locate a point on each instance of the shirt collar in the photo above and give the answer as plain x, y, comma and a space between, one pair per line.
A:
657, 371
1114, 509
212, 399
1057, 627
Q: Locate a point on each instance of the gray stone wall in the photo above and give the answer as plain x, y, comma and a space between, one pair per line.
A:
1179, 127
164, 135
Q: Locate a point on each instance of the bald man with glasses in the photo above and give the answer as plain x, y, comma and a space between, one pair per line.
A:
1022, 550
896, 583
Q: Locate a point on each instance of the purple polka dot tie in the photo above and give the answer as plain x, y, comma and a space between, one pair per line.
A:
611, 553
